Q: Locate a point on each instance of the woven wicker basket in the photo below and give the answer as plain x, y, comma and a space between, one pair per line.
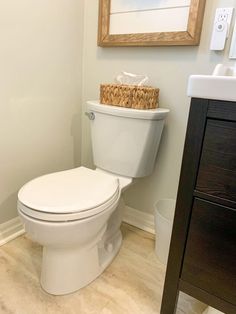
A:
129, 96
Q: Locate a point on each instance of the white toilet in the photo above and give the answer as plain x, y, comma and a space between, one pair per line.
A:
76, 214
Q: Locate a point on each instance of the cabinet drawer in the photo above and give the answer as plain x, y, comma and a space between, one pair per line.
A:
210, 255
217, 170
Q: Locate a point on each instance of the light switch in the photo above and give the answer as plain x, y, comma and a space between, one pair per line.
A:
221, 28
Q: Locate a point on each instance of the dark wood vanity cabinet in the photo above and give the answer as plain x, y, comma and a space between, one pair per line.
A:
202, 258
210, 258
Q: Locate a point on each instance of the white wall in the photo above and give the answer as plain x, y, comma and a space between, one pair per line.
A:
40, 91
168, 69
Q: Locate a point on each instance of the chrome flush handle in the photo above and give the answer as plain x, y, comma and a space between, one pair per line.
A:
90, 115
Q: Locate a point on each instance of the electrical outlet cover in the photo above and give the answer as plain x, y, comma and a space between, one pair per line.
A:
221, 28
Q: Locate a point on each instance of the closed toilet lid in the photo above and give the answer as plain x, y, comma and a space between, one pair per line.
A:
72, 191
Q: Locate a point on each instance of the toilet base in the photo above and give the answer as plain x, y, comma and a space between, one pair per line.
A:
65, 270
76, 252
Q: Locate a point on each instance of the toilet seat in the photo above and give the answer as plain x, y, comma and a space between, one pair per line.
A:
68, 195
49, 217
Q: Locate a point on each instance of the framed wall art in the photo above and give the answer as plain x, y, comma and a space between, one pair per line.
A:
150, 22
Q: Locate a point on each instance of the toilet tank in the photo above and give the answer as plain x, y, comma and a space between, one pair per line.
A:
125, 141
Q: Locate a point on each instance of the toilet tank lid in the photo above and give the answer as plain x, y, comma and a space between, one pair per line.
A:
146, 114
69, 191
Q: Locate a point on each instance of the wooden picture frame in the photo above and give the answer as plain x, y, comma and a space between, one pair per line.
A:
189, 37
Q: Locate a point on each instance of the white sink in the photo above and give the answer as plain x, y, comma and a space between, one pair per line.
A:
220, 85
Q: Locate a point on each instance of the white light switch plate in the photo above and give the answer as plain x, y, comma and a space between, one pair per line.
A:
221, 28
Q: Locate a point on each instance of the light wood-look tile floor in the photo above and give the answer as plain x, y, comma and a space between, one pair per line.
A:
132, 284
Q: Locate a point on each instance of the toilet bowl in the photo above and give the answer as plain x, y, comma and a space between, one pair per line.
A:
76, 214
74, 228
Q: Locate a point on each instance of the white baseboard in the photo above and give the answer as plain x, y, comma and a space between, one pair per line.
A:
11, 230
139, 219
